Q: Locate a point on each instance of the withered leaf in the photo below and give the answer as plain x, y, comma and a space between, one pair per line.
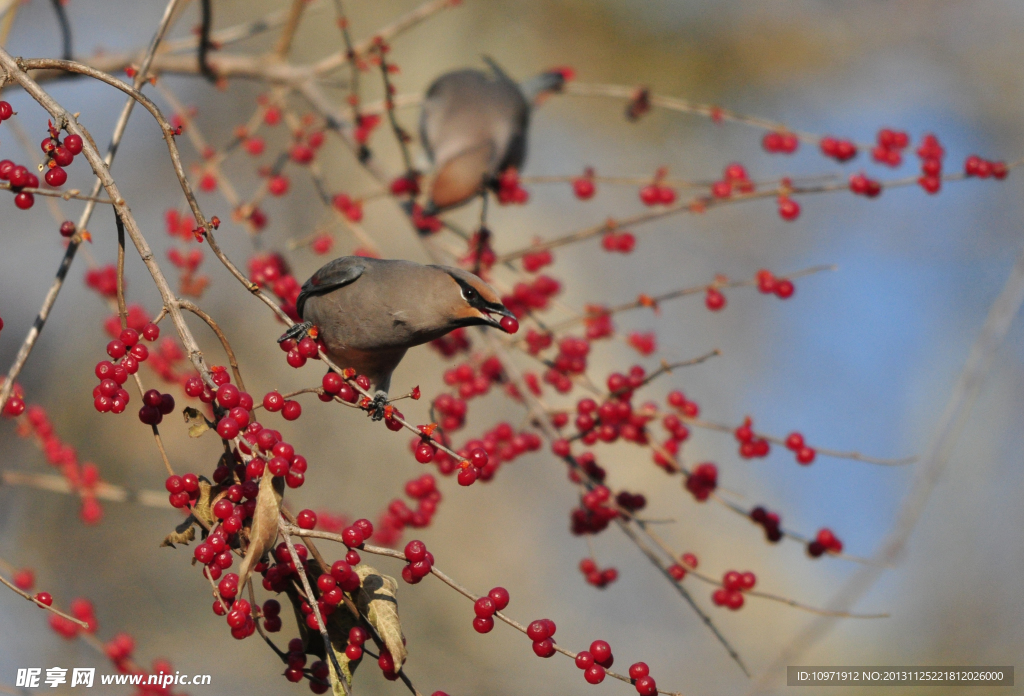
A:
378, 602
338, 625
197, 423
202, 508
182, 534
263, 532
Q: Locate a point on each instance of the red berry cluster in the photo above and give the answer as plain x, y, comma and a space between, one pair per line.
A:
702, 481
527, 297
540, 632
751, 446
452, 410
595, 576
420, 561
82, 610
571, 360
734, 178
595, 512
656, 194
780, 142
183, 490
451, 345
365, 123
639, 672
19, 178
595, 661
472, 383
83, 478
644, 343
837, 149
889, 149
615, 417
677, 571
678, 432
930, 152
509, 190
804, 455
485, 607
734, 584
983, 169
397, 516
59, 155
598, 322
536, 260
768, 284
677, 400
587, 466
824, 542
618, 242
770, 521
863, 186
271, 454
272, 271
128, 352
424, 224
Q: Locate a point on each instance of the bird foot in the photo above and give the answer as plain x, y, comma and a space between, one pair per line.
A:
377, 406
298, 331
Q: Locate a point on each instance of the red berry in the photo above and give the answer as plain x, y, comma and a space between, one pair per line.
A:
788, 208
794, 441
645, 686
784, 288
73, 143
483, 624
805, 455
484, 607
594, 675
55, 176
638, 670
544, 648
291, 411
500, 597
24, 200
44, 598
306, 519
584, 660
714, 300
583, 188
509, 325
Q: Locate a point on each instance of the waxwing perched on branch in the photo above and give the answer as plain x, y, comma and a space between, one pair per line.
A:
369, 312
473, 127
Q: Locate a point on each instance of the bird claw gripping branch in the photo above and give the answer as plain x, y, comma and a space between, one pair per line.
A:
298, 331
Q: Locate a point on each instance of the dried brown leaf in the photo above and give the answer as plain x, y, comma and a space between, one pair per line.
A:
378, 602
182, 534
263, 532
197, 423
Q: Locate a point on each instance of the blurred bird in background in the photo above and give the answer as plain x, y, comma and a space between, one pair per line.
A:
474, 126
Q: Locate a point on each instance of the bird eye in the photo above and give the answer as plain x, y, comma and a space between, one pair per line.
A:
468, 294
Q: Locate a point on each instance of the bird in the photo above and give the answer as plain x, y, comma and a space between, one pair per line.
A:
473, 127
368, 312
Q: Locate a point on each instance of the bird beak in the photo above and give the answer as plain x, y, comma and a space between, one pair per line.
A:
487, 315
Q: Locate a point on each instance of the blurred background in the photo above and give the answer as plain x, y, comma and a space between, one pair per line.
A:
862, 358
